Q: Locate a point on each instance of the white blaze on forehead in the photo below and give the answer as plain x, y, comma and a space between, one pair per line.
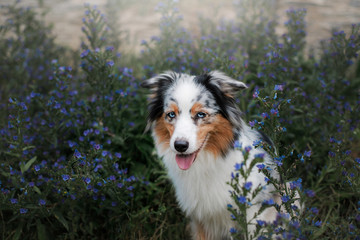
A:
184, 92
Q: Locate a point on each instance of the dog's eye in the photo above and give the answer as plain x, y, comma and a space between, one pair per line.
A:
201, 115
171, 115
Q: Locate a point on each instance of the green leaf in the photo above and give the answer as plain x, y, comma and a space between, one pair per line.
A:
62, 220
36, 189
18, 232
25, 167
41, 230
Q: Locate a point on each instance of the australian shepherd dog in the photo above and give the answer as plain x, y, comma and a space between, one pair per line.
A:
195, 122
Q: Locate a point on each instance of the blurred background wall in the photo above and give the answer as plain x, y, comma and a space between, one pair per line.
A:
138, 20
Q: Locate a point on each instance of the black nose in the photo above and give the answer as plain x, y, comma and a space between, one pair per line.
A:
181, 145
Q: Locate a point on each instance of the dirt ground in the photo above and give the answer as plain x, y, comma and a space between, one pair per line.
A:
139, 20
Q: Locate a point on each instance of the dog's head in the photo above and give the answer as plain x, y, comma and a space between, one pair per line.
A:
190, 114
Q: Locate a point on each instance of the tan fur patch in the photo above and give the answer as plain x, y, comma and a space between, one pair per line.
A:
197, 107
220, 135
163, 129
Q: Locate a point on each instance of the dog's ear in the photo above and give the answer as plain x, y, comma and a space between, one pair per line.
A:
158, 86
159, 81
227, 85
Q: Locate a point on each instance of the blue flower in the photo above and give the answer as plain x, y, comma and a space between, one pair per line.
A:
77, 154
242, 199
279, 87
248, 185
269, 202
261, 223
109, 48
104, 153
110, 63
13, 200
309, 193
42, 202
318, 223
238, 166
87, 180
233, 230
260, 166
307, 153
65, 177
23, 210
314, 210
285, 198
237, 145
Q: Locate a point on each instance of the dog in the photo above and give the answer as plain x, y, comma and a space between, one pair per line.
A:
195, 122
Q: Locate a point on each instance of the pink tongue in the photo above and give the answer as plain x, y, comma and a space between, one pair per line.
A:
185, 161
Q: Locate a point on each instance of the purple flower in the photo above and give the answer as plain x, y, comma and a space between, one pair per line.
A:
248, 185
104, 153
260, 155
233, 230
13, 200
252, 123
118, 155
84, 53
296, 184
285, 198
318, 223
42, 202
242, 199
37, 168
279, 87
332, 154
260, 166
314, 210
248, 148
309, 193
238, 166
269, 202
109, 48
87, 180
307, 153
23, 210
77, 154
256, 93
261, 222
65, 177
110, 63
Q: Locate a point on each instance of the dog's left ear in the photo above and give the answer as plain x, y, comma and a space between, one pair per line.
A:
227, 85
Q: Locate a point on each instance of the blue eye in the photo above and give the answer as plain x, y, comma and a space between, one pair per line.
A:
200, 115
171, 115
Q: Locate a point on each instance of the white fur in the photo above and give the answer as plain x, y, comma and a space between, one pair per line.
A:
202, 190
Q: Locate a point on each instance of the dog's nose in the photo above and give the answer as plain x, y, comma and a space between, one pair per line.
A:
181, 145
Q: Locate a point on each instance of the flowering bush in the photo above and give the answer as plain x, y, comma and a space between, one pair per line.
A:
76, 162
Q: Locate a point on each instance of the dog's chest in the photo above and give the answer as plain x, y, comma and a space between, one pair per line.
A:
202, 191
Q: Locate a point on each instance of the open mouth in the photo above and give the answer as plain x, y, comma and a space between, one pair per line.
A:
184, 161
